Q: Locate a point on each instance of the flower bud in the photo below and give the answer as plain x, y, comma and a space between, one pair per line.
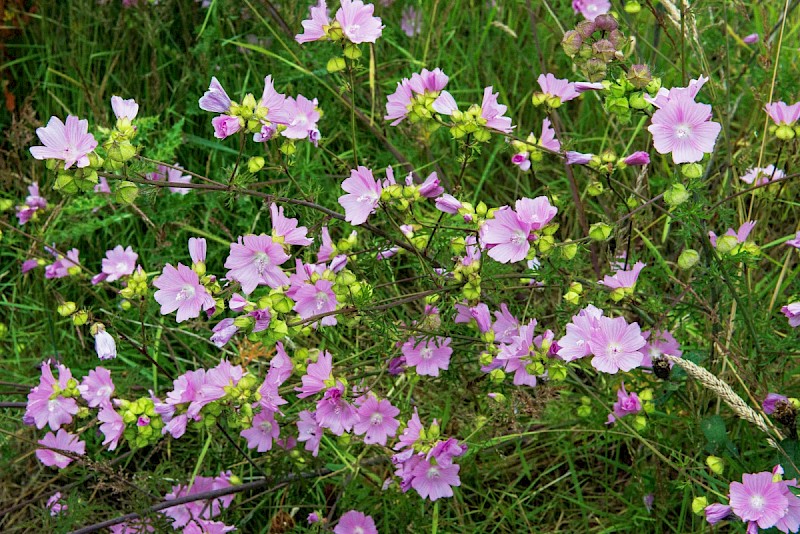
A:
497, 376
67, 309
255, 164
716, 464
699, 505
639, 76
726, 243
336, 64
571, 43
595, 69
606, 22
352, 51
126, 192
603, 49
585, 28
692, 170
584, 411
569, 251
637, 101
80, 318
633, 7
676, 195
600, 231
785, 132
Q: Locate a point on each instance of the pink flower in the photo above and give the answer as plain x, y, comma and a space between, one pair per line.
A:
376, 420
750, 39
426, 84
615, 345
255, 260
46, 403
450, 204
411, 21
492, 112
772, 401
792, 312
716, 512
97, 387
303, 115
757, 498
664, 95
314, 28
223, 331
180, 289
590, 9
334, 412
119, 262
317, 374
683, 128
548, 138
659, 342
357, 22
506, 236
623, 279
111, 425
173, 176
354, 522
637, 159
554, 88
435, 481
315, 299
263, 431
70, 142
215, 100
479, 313
54, 505
364, 193
578, 158
780, 113
197, 249
61, 441
62, 266
309, 431
627, 404
741, 234
183, 514
104, 345
285, 229
762, 175
204, 526
33, 203
794, 242
225, 126
428, 356
124, 109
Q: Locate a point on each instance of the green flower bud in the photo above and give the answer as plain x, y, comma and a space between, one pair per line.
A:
557, 372
67, 309
497, 376
619, 105
6, 204
676, 195
66, 184
653, 87
692, 170
716, 464
584, 411
785, 132
80, 318
726, 243
600, 231
633, 7
352, 51
244, 322
336, 64
126, 192
637, 101
688, 258
255, 164
699, 505
538, 99
125, 305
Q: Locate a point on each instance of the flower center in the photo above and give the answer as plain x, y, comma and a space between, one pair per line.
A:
266, 426
519, 237
432, 474
322, 298
262, 261
426, 353
682, 131
186, 293
376, 419
757, 502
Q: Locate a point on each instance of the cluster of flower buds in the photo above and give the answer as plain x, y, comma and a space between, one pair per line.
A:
631, 91
593, 44
118, 146
143, 425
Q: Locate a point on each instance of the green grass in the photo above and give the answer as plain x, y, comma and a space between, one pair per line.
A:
534, 464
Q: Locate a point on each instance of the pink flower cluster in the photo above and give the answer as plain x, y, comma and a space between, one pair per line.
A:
201, 511
33, 203
507, 236
353, 21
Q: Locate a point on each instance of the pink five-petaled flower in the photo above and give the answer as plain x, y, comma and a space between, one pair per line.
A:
173, 175
317, 376
62, 266
334, 412
70, 142
54, 505
492, 112
615, 345
683, 128
315, 299
119, 262
548, 138
758, 498
792, 312
354, 522
303, 117
590, 9
623, 279
428, 356
659, 343
556, 90
314, 27
97, 387
435, 481
309, 431
771, 402
506, 236
46, 404
781, 113
575, 344
215, 100
762, 175
285, 229
357, 22
263, 432
255, 260
61, 441
627, 404
124, 109
364, 193
111, 425
376, 420
180, 289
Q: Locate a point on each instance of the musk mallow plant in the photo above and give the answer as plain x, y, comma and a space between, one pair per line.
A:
365, 299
